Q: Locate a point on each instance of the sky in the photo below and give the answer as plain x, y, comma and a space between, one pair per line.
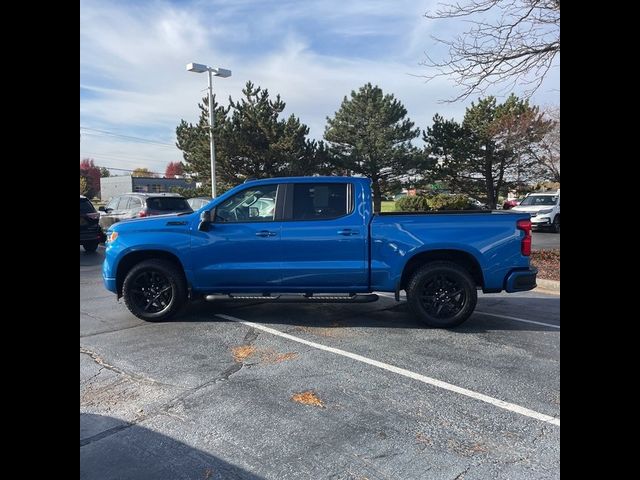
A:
134, 87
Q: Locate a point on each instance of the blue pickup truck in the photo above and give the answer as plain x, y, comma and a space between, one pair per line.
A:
316, 239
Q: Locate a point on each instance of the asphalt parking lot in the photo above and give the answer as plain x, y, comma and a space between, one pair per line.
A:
317, 391
541, 240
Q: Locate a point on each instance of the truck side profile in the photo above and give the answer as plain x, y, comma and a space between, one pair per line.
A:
317, 239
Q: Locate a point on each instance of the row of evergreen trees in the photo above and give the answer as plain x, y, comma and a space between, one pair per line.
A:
496, 146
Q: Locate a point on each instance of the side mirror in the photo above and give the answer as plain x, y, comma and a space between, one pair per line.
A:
205, 221
101, 209
254, 212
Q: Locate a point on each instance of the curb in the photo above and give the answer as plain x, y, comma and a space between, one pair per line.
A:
548, 286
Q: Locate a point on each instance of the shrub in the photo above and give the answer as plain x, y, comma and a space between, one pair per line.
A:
443, 201
417, 203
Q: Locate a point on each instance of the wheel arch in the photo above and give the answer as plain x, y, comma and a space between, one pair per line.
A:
133, 258
465, 259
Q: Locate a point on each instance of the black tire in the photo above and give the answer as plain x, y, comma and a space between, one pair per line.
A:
90, 247
442, 294
154, 290
556, 224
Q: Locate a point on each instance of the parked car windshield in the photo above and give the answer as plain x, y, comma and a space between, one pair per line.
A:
85, 206
169, 204
535, 200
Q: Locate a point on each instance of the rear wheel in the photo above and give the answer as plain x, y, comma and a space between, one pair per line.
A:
154, 290
90, 247
442, 294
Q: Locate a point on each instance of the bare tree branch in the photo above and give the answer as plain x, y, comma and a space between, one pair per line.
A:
519, 47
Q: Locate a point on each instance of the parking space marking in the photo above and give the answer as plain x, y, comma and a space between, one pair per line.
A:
405, 373
498, 315
508, 317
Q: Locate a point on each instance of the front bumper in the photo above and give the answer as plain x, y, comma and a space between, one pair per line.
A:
521, 280
541, 222
108, 276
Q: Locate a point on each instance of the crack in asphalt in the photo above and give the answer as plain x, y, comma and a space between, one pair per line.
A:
114, 330
250, 337
461, 475
93, 376
106, 433
136, 378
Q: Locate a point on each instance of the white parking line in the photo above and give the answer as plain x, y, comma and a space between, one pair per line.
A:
497, 315
516, 319
406, 373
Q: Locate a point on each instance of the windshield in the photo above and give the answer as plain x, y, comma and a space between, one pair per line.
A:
536, 200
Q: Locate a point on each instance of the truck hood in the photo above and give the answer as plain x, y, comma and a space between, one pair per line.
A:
156, 222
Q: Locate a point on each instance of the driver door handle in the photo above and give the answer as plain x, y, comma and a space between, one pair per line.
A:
265, 233
347, 232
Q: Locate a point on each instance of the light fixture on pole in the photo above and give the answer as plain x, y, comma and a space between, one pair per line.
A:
218, 72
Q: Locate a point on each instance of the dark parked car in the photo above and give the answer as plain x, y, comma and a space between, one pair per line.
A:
137, 205
90, 232
197, 203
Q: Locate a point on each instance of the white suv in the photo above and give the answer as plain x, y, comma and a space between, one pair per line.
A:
544, 208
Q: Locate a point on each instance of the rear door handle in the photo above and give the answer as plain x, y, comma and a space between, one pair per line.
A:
265, 233
347, 232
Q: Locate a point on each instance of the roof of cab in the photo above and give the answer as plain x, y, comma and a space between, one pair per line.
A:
325, 179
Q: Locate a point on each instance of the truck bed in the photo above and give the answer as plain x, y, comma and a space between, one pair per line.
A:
489, 238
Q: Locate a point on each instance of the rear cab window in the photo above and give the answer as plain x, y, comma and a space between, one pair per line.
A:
321, 201
167, 204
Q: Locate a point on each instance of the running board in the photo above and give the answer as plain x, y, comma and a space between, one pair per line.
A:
299, 298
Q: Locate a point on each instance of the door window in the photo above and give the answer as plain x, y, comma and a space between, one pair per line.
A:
255, 204
321, 201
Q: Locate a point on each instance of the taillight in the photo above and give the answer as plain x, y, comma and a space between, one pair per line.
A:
525, 246
143, 213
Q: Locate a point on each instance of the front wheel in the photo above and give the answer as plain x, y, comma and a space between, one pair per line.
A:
442, 294
154, 290
556, 224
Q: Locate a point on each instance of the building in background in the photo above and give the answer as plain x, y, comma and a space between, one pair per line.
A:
112, 186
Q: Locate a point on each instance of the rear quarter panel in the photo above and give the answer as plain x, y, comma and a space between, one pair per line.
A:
492, 239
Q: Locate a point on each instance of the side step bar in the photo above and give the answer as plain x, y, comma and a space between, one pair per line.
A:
299, 298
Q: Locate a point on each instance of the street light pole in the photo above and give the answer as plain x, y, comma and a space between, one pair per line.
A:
212, 147
218, 72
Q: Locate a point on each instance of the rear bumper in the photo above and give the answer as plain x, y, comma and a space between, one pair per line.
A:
521, 280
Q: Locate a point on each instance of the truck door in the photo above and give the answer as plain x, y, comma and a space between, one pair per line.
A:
324, 238
242, 249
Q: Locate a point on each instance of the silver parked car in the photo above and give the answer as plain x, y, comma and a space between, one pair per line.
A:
137, 205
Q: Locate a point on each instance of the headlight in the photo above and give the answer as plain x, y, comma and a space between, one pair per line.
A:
111, 236
542, 212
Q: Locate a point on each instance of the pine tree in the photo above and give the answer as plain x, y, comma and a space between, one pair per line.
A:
369, 135
491, 151
251, 141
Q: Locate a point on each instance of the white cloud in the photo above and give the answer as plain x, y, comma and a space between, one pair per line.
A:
133, 59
